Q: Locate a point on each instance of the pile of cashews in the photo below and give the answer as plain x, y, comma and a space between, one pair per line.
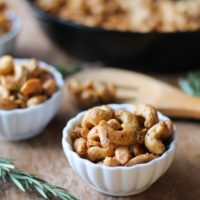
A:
121, 138
89, 93
24, 85
5, 23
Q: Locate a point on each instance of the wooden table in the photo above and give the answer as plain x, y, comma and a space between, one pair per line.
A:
43, 154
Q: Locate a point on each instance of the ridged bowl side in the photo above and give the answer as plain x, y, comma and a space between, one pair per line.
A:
7, 41
25, 123
117, 181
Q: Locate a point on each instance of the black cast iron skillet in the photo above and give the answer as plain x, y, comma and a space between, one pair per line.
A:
172, 51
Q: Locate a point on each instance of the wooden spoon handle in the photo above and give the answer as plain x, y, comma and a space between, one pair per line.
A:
182, 107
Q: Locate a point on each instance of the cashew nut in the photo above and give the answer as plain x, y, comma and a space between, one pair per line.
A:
148, 113
125, 136
156, 135
30, 87
50, 86
122, 155
36, 100
4, 92
113, 123
137, 149
80, 146
99, 153
111, 162
93, 116
32, 65
8, 104
144, 158
127, 119
6, 65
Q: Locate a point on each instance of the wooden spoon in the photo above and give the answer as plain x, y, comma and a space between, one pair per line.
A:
137, 88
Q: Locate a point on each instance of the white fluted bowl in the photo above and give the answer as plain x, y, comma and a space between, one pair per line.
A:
117, 181
8, 40
20, 124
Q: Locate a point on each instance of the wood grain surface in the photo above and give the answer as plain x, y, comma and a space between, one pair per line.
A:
43, 154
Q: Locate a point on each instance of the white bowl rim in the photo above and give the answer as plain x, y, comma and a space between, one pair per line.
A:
15, 29
59, 80
170, 149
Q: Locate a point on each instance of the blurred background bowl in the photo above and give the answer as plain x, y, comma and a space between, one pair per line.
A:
153, 50
7, 40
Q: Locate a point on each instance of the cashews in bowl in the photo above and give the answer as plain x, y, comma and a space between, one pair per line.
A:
136, 173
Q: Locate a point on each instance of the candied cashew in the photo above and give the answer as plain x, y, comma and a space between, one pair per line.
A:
137, 149
80, 146
156, 135
32, 65
50, 86
94, 115
122, 155
36, 100
127, 118
21, 73
118, 137
4, 92
144, 158
111, 162
8, 104
96, 135
6, 65
148, 113
31, 86
113, 123
99, 153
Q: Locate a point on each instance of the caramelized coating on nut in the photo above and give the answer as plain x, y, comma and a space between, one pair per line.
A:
89, 93
117, 138
24, 85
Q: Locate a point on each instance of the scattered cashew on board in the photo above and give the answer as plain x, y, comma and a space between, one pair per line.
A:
137, 88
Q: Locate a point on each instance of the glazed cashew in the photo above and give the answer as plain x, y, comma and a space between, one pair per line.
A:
144, 158
6, 65
118, 137
32, 86
8, 104
32, 65
4, 92
156, 135
97, 135
93, 116
99, 153
21, 73
36, 100
50, 87
111, 162
137, 149
80, 146
127, 119
148, 113
122, 155
113, 123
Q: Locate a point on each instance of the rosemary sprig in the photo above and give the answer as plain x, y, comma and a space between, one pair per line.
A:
29, 182
191, 84
69, 69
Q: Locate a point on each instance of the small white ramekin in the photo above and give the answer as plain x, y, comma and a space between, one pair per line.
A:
7, 41
117, 181
20, 124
